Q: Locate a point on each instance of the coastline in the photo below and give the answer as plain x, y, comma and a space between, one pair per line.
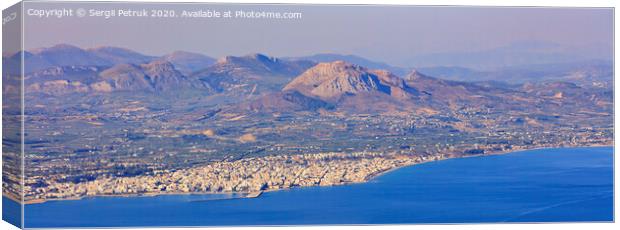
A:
16, 200
245, 195
483, 155
257, 194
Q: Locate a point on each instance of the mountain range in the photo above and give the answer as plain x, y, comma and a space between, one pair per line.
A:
345, 87
591, 73
260, 83
338, 84
106, 56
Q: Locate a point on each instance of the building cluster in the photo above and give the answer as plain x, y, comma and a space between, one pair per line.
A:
245, 175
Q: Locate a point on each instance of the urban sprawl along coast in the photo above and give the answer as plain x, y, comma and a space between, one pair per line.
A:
242, 176
251, 176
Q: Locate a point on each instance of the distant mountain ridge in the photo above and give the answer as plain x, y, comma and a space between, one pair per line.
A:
230, 76
251, 74
585, 72
106, 56
515, 54
345, 87
353, 59
188, 62
592, 73
262, 82
118, 55
155, 76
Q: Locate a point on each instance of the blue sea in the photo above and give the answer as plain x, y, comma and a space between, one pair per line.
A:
547, 185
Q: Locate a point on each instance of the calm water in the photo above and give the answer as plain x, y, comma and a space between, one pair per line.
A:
570, 184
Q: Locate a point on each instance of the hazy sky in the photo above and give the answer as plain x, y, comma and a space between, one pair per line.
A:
386, 33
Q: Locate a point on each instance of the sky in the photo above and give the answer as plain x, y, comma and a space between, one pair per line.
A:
392, 34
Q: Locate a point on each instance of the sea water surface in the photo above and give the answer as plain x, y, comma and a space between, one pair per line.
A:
546, 185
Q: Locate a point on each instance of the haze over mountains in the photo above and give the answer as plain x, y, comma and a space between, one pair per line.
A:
68, 55
591, 73
517, 63
349, 83
524, 53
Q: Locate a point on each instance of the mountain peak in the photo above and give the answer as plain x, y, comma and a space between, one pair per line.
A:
250, 59
63, 46
109, 48
57, 48
415, 75
322, 72
261, 57
69, 55
118, 55
339, 64
330, 81
353, 59
183, 54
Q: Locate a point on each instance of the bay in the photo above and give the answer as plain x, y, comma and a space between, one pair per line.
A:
543, 185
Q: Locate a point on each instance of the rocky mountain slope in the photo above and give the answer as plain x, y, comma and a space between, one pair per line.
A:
259, 83
343, 87
250, 75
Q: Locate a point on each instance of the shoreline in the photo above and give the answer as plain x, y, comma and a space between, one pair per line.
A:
257, 194
479, 155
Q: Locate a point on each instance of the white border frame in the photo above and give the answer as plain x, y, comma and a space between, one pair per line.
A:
550, 3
